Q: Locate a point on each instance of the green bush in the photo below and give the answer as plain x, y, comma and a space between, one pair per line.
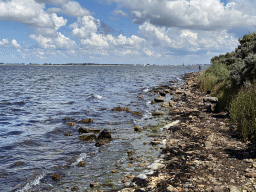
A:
243, 112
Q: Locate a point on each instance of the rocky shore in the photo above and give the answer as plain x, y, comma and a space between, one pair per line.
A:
201, 150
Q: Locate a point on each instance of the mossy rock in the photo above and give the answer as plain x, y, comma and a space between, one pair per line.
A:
84, 121
81, 164
136, 113
88, 137
56, 176
137, 128
94, 130
105, 134
71, 123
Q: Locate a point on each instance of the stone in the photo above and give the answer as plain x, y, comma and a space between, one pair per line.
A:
155, 166
105, 134
130, 153
94, 184
234, 189
71, 123
178, 91
169, 125
87, 137
210, 99
159, 99
68, 119
83, 130
137, 128
84, 121
174, 88
170, 188
102, 142
165, 105
75, 188
162, 94
56, 176
136, 113
156, 113
142, 176
81, 164
94, 130
172, 103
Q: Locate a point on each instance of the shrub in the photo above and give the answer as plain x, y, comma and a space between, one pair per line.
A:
243, 112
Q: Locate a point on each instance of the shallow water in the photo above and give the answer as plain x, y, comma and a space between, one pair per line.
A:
35, 99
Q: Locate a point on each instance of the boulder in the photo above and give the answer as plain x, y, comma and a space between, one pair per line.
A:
211, 99
83, 130
87, 137
156, 113
84, 121
162, 93
105, 134
137, 128
159, 99
102, 142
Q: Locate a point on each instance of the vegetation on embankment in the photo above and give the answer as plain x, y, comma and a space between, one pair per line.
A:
231, 78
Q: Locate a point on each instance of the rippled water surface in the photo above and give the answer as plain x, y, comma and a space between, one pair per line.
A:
35, 99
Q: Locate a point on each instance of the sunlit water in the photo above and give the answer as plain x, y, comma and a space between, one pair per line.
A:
35, 99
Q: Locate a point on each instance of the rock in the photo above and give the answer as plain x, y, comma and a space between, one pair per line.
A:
67, 134
127, 109
166, 90
87, 137
75, 188
56, 176
68, 119
170, 188
81, 164
174, 88
165, 105
71, 123
162, 94
155, 142
102, 142
94, 184
211, 99
137, 128
117, 109
105, 134
94, 130
178, 91
84, 121
155, 166
218, 189
172, 103
159, 99
83, 130
136, 113
156, 113
142, 176
234, 189
130, 153
169, 125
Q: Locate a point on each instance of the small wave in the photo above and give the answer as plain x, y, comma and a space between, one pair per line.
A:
146, 90
29, 185
94, 96
98, 96
81, 157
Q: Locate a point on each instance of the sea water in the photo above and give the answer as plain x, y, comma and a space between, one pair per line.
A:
34, 100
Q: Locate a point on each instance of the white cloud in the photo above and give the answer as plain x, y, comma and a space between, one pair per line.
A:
74, 9
120, 12
193, 14
15, 44
4, 43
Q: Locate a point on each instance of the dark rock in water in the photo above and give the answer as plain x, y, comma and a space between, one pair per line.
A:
136, 113
94, 184
88, 137
162, 93
68, 119
105, 134
137, 128
130, 153
159, 99
90, 120
94, 130
140, 182
102, 142
56, 176
71, 123
17, 164
75, 188
126, 109
155, 113
67, 134
117, 109
81, 164
83, 130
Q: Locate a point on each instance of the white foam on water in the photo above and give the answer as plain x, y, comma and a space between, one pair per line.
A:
32, 183
81, 157
146, 90
98, 96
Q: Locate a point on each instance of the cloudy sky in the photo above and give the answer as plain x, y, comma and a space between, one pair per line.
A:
160, 32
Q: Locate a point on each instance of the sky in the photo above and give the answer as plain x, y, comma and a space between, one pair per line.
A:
161, 32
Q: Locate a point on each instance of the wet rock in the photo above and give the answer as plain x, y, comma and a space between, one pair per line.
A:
94, 184
140, 96
67, 134
117, 109
102, 142
126, 109
156, 113
163, 94
159, 99
137, 128
84, 121
210, 99
75, 188
178, 91
169, 125
68, 119
155, 166
94, 130
172, 103
165, 105
87, 137
140, 182
174, 88
130, 153
105, 134
83, 130
81, 164
142, 176
136, 113
71, 123
56, 176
